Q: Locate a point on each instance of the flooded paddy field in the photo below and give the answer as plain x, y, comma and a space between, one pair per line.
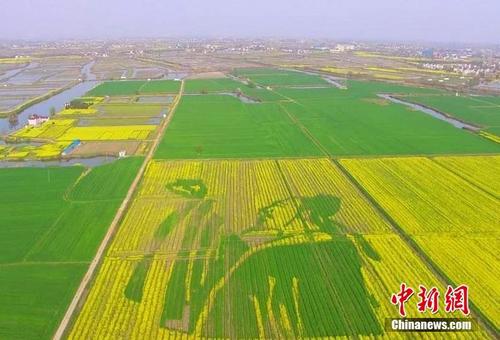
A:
38, 78
101, 116
43, 108
8, 71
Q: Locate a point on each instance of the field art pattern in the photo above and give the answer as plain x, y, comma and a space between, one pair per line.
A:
52, 220
275, 204
249, 249
455, 222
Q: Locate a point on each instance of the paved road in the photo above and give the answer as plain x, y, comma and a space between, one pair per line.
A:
114, 224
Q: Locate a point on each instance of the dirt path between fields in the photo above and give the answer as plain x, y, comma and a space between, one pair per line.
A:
89, 275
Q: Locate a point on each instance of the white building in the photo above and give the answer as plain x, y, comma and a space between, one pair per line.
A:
35, 120
343, 48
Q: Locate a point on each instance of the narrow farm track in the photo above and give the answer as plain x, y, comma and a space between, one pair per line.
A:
89, 275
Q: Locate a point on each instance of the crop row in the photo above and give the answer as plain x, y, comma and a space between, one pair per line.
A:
481, 170
108, 132
249, 249
453, 220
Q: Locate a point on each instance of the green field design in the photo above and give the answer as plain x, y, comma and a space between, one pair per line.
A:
275, 206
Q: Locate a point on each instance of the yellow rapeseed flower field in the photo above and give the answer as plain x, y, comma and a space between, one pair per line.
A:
44, 151
135, 132
196, 228
481, 170
51, 129
452, 215
69, 112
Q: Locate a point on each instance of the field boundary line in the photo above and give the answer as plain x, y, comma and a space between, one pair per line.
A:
428, 155
413, 245
305, 131
43, 237
240, 159
340, 157
68, 191
120, 213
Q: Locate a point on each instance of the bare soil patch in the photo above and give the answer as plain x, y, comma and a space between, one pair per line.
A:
88, 149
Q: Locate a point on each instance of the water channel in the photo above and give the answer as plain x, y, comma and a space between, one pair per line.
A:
57, 102
87, 162
43, 108
436, 114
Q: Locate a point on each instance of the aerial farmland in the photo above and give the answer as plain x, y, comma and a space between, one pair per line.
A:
172, 197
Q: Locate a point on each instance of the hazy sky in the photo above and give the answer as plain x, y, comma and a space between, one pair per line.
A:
422, 20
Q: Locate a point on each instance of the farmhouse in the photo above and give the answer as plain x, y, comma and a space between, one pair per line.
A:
35, 120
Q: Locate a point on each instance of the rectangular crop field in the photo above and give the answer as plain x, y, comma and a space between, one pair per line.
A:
117, 88
135, 132
275, 77
130, 110
249, 249
160, 86
482, 171
454, 221
51, 129
118, 121
356, 122
43, 151
365, 88
482, 111
227, 85
134, 87
261, 94
220, 126
52, 220
212, 85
